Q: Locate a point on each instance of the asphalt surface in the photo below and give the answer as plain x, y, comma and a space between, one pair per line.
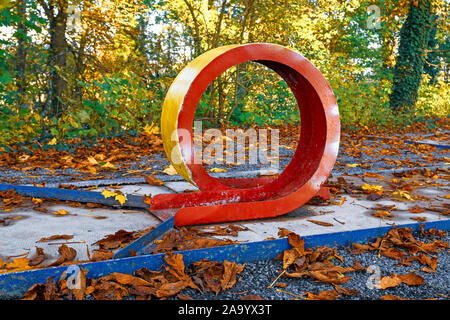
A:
256, 277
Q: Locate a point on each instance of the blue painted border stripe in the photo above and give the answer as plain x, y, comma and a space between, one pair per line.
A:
15, 284
442, 146
145, 240
133, 201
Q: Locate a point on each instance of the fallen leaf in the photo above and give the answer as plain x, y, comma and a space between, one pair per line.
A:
372, 188
402, 195
117, 196
38, 258
109, 165
67, 255
391, 297
56, 237
321, 223
217, 170
323, 295
170, 170
231, 269
52, 142
416, 209
61, 212
251, 297
153, 181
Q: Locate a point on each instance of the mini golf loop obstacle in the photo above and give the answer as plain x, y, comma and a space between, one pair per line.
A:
242, 199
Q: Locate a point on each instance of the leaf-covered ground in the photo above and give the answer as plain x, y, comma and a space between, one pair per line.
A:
364, 154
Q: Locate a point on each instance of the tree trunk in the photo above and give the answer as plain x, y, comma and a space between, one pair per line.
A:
410, 60
58, 56
21, 54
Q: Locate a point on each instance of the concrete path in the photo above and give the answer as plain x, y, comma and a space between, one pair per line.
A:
88, 225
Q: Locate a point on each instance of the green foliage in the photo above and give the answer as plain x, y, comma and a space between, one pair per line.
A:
121, 61
408, 71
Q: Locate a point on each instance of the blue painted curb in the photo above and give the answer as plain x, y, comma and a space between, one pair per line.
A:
14, 285
441, 146
133, 201
147, 239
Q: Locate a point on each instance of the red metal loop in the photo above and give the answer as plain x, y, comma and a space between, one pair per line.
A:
309, 168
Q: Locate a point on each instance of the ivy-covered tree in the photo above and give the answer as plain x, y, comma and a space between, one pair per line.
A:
409, 66
431, 66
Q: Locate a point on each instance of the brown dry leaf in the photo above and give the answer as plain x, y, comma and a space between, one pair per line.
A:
416, 209
67, 255
153, 181
383, 214
251, 297
358, 248
42, 291
176, 266
181, 296
389, 281
102, 255
170, 289
411, 279
394, 280
38, 258
114, 241
346, 292
393, 253
321, 223
289, 257
56, 237
419, 219
231, 270
105, 289
283, 232
427, 261
127, 279
331, 277
391, 297
323, 295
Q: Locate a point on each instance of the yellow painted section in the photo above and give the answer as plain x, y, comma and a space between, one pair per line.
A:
173, 104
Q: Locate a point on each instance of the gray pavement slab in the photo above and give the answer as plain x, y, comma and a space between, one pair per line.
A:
89, 225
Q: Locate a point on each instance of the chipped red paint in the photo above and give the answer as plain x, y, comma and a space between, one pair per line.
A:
242, 199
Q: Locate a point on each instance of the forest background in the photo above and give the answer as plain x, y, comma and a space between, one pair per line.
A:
95, 68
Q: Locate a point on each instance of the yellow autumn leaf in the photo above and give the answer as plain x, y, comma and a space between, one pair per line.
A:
151, 129
61, 212
217, 170
401, 195
447, 196
170, 170
352, 165
92, 161
52, 142
107, 193
18, 264
24, 157
121, 198
117, 196
372, 187
109, 165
